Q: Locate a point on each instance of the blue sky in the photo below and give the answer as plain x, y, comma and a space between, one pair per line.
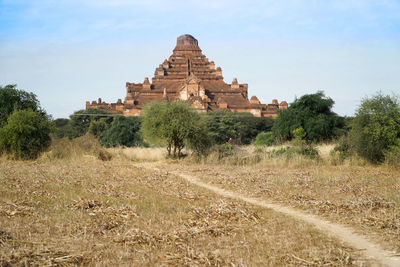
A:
68, 52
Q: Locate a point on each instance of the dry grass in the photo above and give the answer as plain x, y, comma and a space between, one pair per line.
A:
366, 197
141, 153
92, 212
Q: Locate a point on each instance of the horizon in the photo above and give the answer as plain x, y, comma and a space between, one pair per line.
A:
68, 52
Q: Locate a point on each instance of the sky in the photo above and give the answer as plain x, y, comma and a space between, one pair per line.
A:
70, 51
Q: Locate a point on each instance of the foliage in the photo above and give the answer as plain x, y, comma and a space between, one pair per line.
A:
62, 128
223, 126
199, 140
81, 120
343, 149
376, 127
124, 131
175, 123
392, 155
313, 113
97, 127
12, 99
264, 139
251, 126
26, 134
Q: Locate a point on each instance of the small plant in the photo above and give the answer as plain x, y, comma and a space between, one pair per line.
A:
104, 155
225, 150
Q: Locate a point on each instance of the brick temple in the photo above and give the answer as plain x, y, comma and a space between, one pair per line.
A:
188, 75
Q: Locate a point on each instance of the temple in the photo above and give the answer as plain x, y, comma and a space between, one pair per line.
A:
189, 76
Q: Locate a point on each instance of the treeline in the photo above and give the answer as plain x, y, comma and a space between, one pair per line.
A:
373, 134
167, 124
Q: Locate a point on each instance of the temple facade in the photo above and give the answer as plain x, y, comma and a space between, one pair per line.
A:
189, 76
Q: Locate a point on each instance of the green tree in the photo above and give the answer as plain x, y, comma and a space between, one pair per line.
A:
12, 99
26, 134
223, 126
174, 123
314, 114
97, 127
80, 121
124, 131
251, 126
199, 139
376, 127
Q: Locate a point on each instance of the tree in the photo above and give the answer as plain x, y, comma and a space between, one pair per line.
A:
12, 99
26, 134
62, 128
174, 123
124, 131
314, 114
223, 126
80, 121
376, 127
251, 126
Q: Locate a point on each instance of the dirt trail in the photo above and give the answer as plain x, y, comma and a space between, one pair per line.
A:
343, 233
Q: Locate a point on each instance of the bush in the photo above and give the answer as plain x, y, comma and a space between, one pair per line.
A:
26, 134
314, 114
12, 99
291, 151
264, 139
81, 120
223, 126
376, 127
62, 128
392, 155
124, 131
251, 126
199, 139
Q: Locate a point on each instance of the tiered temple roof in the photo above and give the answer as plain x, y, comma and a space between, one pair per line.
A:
188, 75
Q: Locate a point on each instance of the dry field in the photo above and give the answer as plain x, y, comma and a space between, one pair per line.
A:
85, 211
365, 197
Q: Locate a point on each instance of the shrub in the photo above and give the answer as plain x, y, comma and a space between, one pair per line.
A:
199, 139
26, 134
12, 99
124, 131
314, 114
62, 128
251, 126
392, 155
223, 126
376, 127
264, 139
81, 120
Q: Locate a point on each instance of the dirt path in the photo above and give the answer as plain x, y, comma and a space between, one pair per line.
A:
343, 233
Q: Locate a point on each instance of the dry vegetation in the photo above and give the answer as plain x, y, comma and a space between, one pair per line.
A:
366, 197
84, 211
75, 206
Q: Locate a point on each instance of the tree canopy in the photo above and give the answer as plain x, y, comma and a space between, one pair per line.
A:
26, 134
312, 112
223, 126
80, 121
124, 131
376, 127
174, 123
12, 99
